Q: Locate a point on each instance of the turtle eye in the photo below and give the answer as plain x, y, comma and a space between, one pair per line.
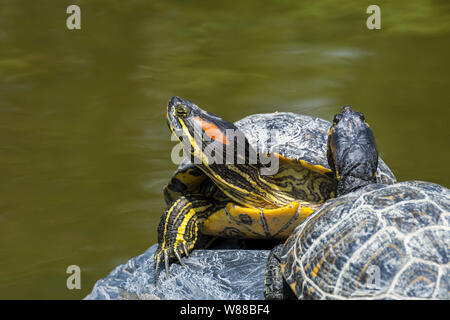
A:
181, 111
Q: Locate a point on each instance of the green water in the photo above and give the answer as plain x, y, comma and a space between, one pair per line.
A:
84, 147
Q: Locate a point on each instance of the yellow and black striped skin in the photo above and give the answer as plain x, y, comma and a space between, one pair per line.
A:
178, 227
189, 180
246, 203
242, 222
229, 219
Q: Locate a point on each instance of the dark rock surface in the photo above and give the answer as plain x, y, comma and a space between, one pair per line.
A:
207, 274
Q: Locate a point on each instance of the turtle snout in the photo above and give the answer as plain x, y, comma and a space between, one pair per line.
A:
175, 101
347, 110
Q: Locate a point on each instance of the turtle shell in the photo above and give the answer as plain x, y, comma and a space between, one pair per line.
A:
380, 242
294, 136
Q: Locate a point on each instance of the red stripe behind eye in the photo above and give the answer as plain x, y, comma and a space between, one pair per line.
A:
211, 130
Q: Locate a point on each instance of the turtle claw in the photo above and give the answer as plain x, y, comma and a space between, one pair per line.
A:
166, 263
178, 257
157, 262
167, 254
186, 251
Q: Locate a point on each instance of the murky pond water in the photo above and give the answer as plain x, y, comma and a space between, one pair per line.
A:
84, 146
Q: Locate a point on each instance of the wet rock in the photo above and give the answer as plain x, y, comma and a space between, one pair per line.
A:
207, 274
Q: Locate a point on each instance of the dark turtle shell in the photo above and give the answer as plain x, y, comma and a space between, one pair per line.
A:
380, 242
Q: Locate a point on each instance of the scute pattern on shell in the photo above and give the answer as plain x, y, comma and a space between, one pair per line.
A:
292, 135
382, 242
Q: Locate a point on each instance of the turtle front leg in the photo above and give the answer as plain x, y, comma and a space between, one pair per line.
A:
178, 229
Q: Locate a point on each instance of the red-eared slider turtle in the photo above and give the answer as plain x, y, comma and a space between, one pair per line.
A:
374, 241
229, 186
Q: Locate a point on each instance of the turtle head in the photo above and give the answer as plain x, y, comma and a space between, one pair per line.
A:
223, 153
351, 151
204, 135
